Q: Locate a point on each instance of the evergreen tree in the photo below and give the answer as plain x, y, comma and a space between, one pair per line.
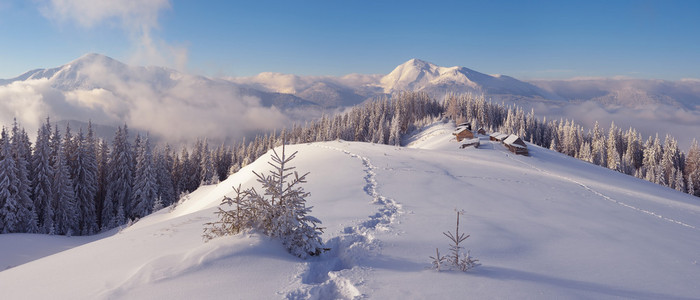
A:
184, 171
599, 149
692, 169
21, 152
145, 185
280, 212
102, 166
66, 216
222, 162
670, 160
166, 189
585, 152
613, 152
85, 182
119, 181
70, 149
195, 165
9, 204
206, 165
42, 170
395, 131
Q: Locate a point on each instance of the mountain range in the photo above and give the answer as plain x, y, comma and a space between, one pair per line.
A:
179, 106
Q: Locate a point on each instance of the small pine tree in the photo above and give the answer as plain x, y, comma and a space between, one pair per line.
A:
456, 259
280, 212
437, 260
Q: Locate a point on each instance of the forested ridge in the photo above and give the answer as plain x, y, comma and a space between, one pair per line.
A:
72, 183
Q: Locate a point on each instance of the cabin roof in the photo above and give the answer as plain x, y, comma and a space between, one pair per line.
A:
501, 136
460, 129
514, 141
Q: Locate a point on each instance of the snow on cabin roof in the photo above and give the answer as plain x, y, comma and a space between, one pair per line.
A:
495, 134
512, 139
460, 129
501, 136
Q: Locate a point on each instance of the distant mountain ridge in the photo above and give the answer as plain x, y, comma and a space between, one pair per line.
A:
288, 90
167, 102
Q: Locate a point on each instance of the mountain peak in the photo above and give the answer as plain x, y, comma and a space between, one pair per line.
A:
419, 63
94, 58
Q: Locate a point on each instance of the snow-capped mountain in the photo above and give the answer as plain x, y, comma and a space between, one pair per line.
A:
418, 75
545, 226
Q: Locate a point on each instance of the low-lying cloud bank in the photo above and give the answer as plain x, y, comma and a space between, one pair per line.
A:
169, 105
649, 120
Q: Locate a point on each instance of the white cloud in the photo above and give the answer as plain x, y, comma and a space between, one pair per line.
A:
138, 18
172, 106
26, 102
141, 14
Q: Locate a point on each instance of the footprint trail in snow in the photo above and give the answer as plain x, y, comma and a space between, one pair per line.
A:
337, 273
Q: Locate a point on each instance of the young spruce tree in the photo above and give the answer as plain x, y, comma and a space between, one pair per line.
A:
280, 212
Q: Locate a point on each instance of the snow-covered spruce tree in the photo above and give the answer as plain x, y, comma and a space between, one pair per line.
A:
85, 182
145, 184
119, 182
102, 166
21, 152
206, 166
66, 213
8, 187
280, 212
42, 191
166, 190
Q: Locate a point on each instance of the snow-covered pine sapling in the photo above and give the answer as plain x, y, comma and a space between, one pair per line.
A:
456, 259
280, 212
437, 260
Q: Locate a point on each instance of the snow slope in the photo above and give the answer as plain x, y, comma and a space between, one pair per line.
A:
544, 227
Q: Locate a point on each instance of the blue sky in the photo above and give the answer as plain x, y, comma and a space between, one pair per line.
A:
524, 39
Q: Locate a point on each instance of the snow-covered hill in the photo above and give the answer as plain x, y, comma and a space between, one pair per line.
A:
543, 227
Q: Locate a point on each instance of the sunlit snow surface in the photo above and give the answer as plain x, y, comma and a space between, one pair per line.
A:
543, 227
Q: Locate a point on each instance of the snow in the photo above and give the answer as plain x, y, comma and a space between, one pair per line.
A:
543, 226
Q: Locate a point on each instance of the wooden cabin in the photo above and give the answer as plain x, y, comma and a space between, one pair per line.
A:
463, 133
515, 145
475, 142
481, 131
493, 136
